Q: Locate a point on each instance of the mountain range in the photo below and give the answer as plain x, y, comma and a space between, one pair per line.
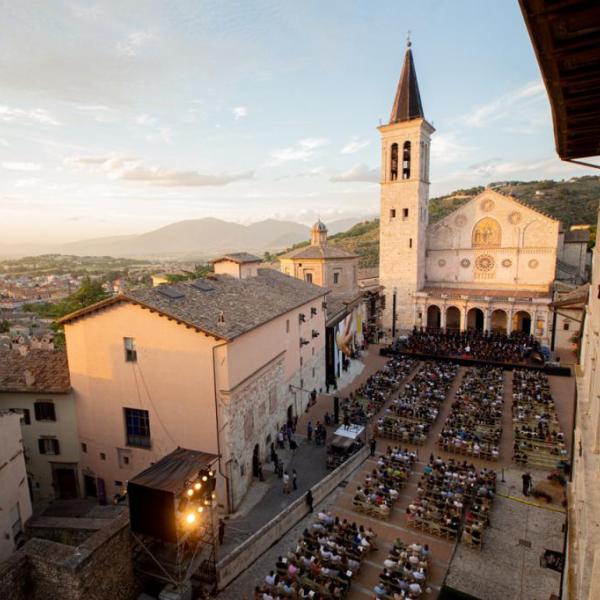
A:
194, 238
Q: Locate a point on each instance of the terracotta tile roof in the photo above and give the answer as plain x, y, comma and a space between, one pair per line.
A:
37, 371
222, 306
576, 298
325, 251
239, 257
368, 273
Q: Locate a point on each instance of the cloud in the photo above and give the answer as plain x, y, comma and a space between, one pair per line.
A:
156, 131
355, 145
446, 148
29, 182
167, 178
99, 112
302, 150
239, 112
131, 168
487, 167
30, 116
526, 98
358, 173
135, 42
21, 166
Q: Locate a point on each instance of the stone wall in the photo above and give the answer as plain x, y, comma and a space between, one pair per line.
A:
15, 582
253, 410
99, 568
249, 551
519, 252
256, 408
402, 235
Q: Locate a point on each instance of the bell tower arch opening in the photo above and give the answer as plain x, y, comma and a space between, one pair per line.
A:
406, 160
394, 162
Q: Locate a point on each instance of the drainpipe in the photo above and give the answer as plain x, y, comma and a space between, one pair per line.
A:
228, 484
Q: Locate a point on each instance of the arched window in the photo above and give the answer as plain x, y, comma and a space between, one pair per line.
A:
406, 161
394, 163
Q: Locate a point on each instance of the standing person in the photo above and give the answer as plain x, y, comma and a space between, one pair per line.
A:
293, 445
309, 431
273, 453
527, 483
309, 500
221, 531
294, 479
280, 439
286, 483
373, 445
313, 397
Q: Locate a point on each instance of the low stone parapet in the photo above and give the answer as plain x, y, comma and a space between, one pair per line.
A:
239, 559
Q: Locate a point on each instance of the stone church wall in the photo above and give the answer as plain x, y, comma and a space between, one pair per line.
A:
523, 257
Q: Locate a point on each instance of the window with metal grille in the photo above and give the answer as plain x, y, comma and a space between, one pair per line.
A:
130, 349
137, 427
48, 446
44, 411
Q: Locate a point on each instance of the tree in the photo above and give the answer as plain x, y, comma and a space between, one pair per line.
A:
4, 326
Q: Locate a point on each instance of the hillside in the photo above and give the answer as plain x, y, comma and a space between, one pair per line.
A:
573, 201
194, 238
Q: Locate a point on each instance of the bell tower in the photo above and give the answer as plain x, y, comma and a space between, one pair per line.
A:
405, 143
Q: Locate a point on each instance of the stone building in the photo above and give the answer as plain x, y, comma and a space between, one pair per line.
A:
336, 269
489, 265
36, 384
215, 365
15, 505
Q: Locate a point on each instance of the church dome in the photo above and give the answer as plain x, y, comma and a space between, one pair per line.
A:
319, 226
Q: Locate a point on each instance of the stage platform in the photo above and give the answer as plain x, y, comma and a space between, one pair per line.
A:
473, 362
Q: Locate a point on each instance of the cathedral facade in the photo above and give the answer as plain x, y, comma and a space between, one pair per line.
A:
489, 265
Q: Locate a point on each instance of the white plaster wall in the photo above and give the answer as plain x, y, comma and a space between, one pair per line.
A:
39, 469
13, 481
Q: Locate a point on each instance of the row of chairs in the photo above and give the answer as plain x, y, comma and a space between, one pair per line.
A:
474, 425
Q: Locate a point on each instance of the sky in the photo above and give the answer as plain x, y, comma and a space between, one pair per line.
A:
121, 117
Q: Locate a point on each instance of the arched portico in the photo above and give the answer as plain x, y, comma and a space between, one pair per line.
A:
522, 322
499, 321
452, 318
475, 319
434, 317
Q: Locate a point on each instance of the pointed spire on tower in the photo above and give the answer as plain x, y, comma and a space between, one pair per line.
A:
407, 104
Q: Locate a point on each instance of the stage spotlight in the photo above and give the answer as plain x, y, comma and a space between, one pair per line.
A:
190, 492
190, 518
197, 486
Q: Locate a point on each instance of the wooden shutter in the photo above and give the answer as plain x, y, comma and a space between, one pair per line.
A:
41, 446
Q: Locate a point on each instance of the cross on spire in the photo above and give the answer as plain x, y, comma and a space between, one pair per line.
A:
407, 104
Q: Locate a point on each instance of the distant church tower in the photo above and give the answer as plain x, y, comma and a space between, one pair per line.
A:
405, 143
